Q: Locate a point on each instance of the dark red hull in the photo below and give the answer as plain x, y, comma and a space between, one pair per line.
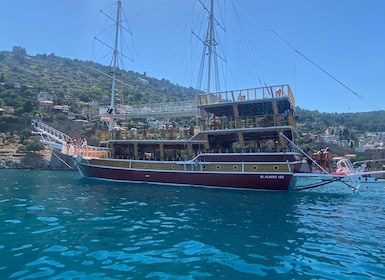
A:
255, 181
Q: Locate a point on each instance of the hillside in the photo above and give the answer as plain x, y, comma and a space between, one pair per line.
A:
73, 80
360, 122
76, 83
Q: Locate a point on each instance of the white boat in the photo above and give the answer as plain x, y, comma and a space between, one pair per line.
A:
344, 175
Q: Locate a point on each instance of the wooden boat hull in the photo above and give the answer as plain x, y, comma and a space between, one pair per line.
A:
230, 180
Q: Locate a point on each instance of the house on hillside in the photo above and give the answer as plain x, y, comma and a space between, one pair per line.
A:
60, 109
17, 50
6, 110
46, 101
45, 105
44, 95
2, 111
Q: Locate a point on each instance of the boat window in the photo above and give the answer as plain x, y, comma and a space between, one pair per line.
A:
222, 143
123, 151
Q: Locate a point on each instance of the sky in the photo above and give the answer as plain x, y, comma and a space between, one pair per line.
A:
331, 53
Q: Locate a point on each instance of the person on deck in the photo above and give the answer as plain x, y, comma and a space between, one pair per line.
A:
278, 93
323, 158
310, 159
328, 159
317, 158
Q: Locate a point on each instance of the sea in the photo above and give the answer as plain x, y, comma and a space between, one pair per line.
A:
56, 225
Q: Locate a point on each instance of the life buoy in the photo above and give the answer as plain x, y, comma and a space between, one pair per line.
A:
341, 172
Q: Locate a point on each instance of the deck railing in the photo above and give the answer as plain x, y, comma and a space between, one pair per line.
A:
182, 108
189, 108
51, 132
86, 151
245, 94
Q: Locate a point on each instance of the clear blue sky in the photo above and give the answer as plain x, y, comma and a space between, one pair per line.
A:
344, 38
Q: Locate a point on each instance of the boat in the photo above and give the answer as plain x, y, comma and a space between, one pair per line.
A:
345, 174
375, 166
235, 142
241, 139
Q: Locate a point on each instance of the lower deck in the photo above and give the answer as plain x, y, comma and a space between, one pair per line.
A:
220, 163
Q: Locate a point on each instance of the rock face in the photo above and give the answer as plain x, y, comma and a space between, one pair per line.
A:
14, 155
48, 160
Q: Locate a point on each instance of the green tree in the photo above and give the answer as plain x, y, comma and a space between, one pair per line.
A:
7, 122
28, 106
25, 134
34, 145
61, 117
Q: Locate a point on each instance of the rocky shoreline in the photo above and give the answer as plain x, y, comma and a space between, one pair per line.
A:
10, 158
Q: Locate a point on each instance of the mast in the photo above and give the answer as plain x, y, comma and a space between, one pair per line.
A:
209, 52
210, 43
115, 64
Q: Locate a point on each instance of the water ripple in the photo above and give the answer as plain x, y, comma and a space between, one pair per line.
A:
56, 226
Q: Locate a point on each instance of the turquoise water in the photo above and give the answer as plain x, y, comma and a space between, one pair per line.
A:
55, 225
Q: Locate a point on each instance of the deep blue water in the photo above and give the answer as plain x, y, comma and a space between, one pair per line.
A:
55, 225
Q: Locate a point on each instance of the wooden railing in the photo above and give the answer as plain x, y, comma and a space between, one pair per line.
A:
246, 94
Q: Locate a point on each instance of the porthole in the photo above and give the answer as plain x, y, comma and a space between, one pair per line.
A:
218, 167
173, 166
235, 167
254, 168
145, 165
276, 167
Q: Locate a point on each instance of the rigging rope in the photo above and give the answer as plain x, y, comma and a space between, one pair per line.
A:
253, 59
363, 99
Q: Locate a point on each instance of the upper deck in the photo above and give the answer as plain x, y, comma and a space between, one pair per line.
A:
256, 107
208, 101
250, 94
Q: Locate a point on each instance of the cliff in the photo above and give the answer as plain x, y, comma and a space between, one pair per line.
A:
46, 159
